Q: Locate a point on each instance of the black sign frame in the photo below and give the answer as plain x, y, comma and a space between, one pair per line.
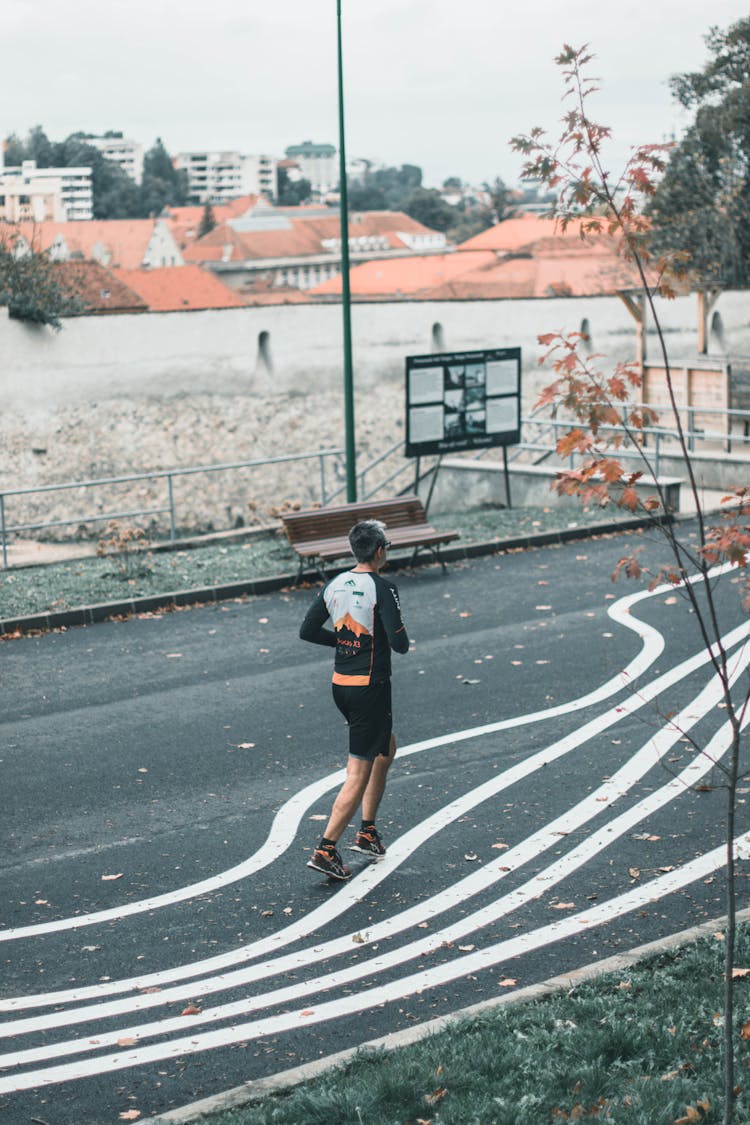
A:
463, 400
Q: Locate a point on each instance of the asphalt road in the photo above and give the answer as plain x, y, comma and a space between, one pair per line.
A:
165, 778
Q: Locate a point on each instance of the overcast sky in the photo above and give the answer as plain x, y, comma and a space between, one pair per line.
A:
439, 83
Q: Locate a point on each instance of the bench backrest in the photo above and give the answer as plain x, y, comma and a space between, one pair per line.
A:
328, 523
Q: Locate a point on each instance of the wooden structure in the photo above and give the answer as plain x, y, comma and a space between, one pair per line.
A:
320, 535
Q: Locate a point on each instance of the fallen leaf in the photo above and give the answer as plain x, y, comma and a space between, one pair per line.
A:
245, 745
464, 615
109, 878
507, 982
745, 1032
634, 872
670, 601
41, 902
466, 948
128, 1041
423, 925
173, 655
130, 1115
266, 913
191, 1010
665, 869
308, 1012
625, 984
563, 906
436, 1095
694, 1112
500, 847
358, 938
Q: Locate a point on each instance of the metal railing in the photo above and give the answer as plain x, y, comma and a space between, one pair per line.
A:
167, 475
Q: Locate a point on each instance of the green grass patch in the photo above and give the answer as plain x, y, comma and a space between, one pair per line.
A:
641, 1047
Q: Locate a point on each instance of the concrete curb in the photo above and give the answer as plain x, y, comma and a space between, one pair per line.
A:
287, 1079
208, 595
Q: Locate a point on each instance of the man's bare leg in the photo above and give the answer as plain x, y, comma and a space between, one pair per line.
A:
373, 794
358, 772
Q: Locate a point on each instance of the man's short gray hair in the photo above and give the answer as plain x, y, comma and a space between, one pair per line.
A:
366, 538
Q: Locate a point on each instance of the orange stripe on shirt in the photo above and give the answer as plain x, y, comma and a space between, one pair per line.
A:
353, 681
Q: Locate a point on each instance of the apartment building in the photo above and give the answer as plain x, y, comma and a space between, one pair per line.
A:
318, 164
39, 194
218, 177
122, 151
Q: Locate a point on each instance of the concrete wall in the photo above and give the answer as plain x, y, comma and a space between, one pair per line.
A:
159, 355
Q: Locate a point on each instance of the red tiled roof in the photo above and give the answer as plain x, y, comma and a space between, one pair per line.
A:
125, 240
180, 289
184, 222
304, 237
97, 288
412, 275
529, 260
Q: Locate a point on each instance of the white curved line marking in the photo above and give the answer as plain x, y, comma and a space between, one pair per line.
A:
398, 852
381, 994
587, 809
285, 823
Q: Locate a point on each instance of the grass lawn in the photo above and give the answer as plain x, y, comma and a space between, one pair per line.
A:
641, 1047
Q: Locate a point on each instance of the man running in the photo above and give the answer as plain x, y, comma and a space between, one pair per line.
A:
366, 615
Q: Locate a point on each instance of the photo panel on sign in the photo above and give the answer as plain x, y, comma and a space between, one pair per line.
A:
475, 375
454, 375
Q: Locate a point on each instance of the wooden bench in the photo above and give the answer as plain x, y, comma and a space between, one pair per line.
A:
320, 535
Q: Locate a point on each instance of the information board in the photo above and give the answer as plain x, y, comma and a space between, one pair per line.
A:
462, 400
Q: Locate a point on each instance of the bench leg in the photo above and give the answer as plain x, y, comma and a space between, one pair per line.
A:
435, 551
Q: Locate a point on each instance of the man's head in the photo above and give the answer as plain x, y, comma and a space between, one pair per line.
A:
366, 539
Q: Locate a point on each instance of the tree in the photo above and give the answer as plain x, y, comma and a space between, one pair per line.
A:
366, 197
30, 284
208, 221
290, 193
702, 205
427, 206
595, 401
163, 185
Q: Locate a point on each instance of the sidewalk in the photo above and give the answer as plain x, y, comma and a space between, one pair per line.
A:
69, 585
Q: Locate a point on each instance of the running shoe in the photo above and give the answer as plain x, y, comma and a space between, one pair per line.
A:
368, 842
329, 863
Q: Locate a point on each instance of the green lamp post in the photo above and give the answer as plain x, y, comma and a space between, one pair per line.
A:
351, 454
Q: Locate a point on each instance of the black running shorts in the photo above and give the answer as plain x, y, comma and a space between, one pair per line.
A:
367, 710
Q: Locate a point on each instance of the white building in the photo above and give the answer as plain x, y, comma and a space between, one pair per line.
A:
122, 151
47, 193
318, 164
217, 177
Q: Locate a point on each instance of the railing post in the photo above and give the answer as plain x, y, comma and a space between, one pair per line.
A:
2, 532
322, 465
656, 453
172, 535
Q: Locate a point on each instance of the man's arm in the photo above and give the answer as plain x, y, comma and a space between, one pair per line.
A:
390, 615
312, 629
